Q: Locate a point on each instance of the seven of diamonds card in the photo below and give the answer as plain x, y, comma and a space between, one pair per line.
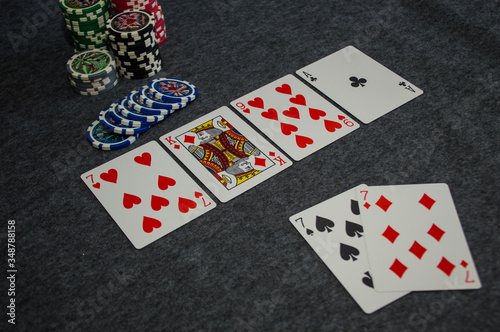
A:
147, 193
334, 231
225, 153
294, 117
414, 239
359, 84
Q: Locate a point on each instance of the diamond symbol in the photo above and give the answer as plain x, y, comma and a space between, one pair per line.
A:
446, 266
436, 232
189, 139
427, 201
260, 162
366, 205
417, 250
177, 146
272, 154
383, 203
390, 234
464, 264
398, 268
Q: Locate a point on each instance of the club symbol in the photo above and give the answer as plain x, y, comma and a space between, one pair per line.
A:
357, 81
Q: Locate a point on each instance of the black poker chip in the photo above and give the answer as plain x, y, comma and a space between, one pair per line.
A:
132, 40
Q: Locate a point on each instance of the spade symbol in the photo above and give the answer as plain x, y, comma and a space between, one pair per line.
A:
352, 229
348, 252
354, 207
356, 82
368, 281
309, 232
323, 224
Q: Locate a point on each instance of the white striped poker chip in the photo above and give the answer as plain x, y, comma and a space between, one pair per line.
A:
128, 112
116, 127
104, 87
81, 7
116, 115
105, 82
147, 99
172, 90
95, 93
155, 55
134, 102
103, 139
131, 23
91, 64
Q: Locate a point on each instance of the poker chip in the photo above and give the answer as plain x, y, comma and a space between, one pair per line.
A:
86, 21
114, 126
131, 38
151, 6
115, 114
135, 102
172, 90
92, 72
120, 124
128, 112
103, 139
149, 100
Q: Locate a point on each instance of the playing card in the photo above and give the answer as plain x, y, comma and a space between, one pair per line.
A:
295, 117
225, 153
414, 239
333, 229
147, 193
359, 84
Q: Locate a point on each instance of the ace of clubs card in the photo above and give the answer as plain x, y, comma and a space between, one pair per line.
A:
147, 193
334, 231
359, 84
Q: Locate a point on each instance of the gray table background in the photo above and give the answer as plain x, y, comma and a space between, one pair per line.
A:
243, 266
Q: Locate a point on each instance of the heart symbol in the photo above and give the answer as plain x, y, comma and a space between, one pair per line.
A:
164, 182
197, 194
246, 110
303, 141
97, 185
130, 200
148, 224
287, 129
271, 114
144, 159
341, 117
186, 204
331, 126
285, 88
158, 202
316, 114
299, 100
293, 112
257, 102
110, 176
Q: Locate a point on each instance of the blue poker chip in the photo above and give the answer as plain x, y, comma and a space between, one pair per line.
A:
103, 139
150, 101
116, 127
128, 112
173, 90
134, 101
115, 115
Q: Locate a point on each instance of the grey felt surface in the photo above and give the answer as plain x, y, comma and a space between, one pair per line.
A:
243, 266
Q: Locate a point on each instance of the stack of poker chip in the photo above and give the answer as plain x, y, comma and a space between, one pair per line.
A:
92, 72
120, 124
86, 22
132, 39
151, 6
